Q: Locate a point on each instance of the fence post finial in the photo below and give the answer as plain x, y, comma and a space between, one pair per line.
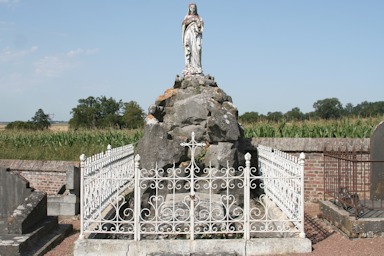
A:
302, 158
137, 161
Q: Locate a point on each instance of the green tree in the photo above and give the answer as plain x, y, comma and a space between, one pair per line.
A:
249, 117
133, 116
274, 116
85, 114
348, 109
294, 114
109, 112
103, 112
368, 109
328, 108
41, 120
92, 113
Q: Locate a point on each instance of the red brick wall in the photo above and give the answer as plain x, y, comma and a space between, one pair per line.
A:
46, 181
314, 161
46, 176
313, 176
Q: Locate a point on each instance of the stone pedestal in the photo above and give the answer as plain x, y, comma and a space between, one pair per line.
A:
194, 104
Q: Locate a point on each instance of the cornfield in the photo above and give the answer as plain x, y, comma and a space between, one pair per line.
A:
344, 128
69, 145
62, 145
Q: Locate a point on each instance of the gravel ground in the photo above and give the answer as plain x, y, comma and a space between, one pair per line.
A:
326, 240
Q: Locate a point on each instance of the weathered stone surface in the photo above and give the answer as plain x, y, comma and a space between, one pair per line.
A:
158, 147
25, 228
377, 168
222, 124
13, 191
221, 155
26, 215
195, 104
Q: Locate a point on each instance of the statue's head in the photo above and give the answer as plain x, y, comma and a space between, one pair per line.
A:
192, 9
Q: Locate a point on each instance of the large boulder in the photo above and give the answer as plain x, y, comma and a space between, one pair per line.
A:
194, 104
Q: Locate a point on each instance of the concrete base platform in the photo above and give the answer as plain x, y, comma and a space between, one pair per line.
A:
63, 205
259, 246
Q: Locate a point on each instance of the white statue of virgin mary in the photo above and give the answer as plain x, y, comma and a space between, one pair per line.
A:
192, 34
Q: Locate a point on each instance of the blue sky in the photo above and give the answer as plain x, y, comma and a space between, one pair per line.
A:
268, 55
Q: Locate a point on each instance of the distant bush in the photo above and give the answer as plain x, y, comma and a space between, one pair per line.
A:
20, 125
40, 121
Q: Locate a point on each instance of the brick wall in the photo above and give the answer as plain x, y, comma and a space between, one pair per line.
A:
46, 176
47, 181
314, 160
313, 176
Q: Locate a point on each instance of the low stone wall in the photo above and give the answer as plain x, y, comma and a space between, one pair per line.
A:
314, 160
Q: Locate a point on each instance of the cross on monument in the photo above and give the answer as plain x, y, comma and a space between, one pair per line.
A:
192, 145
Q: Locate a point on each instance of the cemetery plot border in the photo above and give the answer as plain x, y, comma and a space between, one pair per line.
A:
123, 201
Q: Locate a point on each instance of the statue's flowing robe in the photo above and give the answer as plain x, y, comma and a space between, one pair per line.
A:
192, 38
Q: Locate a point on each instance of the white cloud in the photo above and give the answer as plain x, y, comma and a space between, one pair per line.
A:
9, 55
53, 66
80, 51
5, 26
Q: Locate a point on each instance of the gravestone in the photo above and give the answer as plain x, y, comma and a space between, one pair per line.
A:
25, 228
377, 168
21, 207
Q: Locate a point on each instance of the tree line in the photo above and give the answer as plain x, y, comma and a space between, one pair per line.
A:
102, 112
91, 113
40, 121
329, 108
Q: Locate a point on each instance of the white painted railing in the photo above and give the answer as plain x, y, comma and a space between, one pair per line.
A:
189, 202
283, 177
104, 183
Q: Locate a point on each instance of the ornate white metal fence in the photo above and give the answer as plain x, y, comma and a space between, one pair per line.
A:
189, 202
283, 176
105, 179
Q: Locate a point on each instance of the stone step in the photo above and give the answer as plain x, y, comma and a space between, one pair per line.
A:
44, 236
